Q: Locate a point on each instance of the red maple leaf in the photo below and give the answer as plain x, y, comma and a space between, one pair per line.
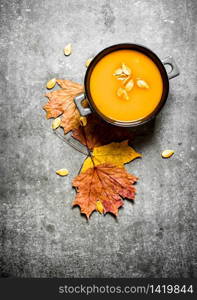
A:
105, 183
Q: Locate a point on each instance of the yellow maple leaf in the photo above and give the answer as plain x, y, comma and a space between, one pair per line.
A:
115, 153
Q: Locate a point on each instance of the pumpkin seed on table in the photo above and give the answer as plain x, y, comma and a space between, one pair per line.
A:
56, 123
83, 121
68, 49
167, 153
62, 172
99, 207
51, 83
88, 61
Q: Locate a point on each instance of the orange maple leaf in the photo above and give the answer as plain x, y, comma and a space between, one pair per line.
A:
105, 183
61, 103
98, 133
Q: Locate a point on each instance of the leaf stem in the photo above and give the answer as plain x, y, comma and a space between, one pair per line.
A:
69, 142
86, 144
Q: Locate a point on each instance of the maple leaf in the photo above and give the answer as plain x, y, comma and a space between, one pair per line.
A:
105, 183
98, 132
115, 153
73, 88
61, 103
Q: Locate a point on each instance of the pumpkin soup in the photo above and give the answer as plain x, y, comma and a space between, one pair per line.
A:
126, 85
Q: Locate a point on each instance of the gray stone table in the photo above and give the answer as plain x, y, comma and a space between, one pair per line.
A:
41, 235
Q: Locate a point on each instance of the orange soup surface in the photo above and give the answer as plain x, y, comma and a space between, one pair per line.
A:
104, 86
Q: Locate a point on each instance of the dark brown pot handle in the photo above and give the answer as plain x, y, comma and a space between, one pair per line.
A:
84, 111
174, 68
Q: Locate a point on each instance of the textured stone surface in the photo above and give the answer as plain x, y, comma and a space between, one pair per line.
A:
41, 235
